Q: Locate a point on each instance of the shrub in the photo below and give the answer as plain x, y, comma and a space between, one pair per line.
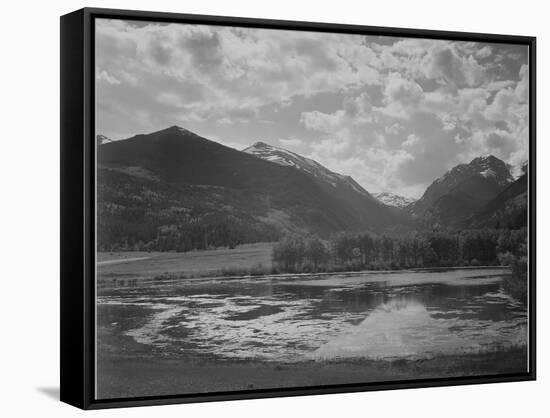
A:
516, 283
505, 259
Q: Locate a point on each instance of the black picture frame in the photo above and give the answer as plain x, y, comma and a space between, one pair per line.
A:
77, 356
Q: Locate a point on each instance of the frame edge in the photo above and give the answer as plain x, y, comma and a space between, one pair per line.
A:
76, 180
72, 263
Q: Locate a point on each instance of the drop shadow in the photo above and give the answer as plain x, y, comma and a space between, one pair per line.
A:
50, 391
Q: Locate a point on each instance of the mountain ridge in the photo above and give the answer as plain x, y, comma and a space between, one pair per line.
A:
285, 157
177, 189
461, 191
175, 180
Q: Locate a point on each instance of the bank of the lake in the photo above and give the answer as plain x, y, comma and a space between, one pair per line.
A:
125, 376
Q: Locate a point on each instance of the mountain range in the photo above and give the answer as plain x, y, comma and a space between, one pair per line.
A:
391, 199
177, 184
284, 157
461, 192
179, 190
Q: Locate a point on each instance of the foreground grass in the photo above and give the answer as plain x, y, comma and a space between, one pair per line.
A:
120, 376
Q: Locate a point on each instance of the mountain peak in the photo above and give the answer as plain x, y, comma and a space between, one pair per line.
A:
260, 148
486, 172
486, 159
261, 144
392, 199
102, 139
311, 167
177, 129
490, 166
487, 166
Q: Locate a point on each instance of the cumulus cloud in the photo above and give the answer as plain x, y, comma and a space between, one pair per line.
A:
323, 122
290, 142
393, 113
484, 52
443, 63
104, 76
418, 135
522, 87
215, 69
401, 95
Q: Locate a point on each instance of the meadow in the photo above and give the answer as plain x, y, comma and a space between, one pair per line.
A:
147, 265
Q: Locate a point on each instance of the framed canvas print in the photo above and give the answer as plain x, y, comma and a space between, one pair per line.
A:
256, 208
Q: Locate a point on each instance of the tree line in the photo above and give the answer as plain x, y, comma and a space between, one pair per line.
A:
200, 233
356, 251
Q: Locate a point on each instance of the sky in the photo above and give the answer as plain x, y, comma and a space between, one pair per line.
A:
393, 113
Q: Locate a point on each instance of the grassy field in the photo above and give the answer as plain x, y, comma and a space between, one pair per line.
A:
120, 376
192, 263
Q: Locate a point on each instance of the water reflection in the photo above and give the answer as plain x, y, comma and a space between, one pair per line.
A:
388, 315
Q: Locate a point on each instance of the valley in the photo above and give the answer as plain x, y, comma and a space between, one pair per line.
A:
220, 269
173, 190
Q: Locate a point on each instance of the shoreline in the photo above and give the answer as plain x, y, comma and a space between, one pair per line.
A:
244, 262
174, 277
124, 376
355, 272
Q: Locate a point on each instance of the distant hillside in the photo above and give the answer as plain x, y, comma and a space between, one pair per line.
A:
461, 192
368, 210
507, 210
173, 189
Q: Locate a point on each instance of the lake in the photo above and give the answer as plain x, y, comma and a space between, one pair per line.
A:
371, 315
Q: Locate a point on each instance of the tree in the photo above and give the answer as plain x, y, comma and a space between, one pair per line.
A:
289, 253
316, 252
343, 245
366, 245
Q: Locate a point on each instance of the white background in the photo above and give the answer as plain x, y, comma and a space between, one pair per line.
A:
29, 207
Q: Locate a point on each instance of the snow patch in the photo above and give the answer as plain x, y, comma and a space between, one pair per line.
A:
285, 157
394, 200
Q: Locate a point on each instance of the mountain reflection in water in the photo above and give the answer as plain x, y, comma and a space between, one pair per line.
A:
371, 315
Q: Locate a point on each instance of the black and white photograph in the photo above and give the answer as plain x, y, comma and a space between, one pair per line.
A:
279, 209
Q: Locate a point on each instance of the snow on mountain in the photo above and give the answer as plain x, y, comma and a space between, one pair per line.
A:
394, 200
282, 156
489, 170
487, 166
102, 139
260, 199
490, 166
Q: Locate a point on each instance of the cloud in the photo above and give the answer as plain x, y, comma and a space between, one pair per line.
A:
290, 142
416, 136
484, 52
401, 90
216, 69
522, 87
444, 63
102, 75
323, 122
393, 113
502, 107
400, 95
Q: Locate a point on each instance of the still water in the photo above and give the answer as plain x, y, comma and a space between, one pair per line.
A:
382, 315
